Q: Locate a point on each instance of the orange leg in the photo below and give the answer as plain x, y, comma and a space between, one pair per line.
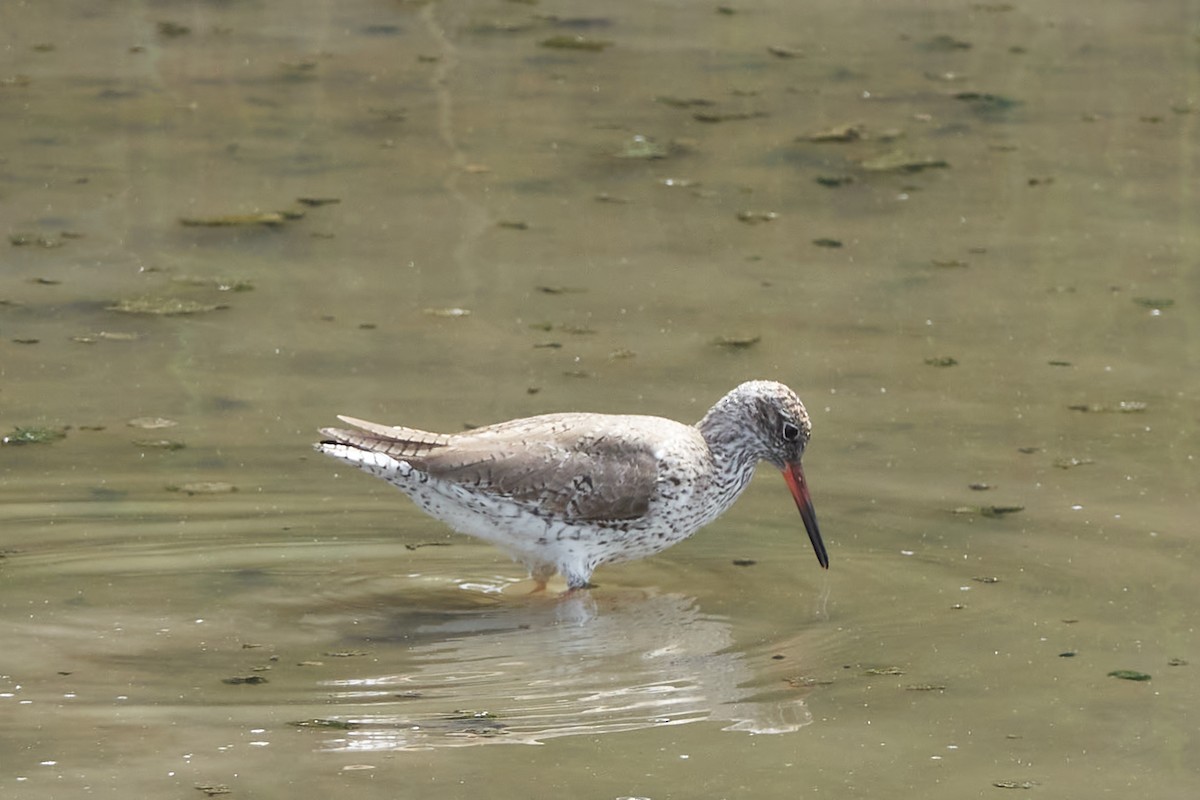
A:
541, 574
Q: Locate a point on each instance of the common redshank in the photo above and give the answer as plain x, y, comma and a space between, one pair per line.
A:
568, 492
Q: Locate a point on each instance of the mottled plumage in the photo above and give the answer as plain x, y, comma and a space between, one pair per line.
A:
569, 492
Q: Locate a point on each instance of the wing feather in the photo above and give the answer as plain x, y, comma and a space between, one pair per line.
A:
580, 481
566, 465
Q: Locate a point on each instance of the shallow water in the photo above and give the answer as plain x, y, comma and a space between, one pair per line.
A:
1053, 259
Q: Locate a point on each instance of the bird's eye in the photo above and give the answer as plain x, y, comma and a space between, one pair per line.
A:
790, 432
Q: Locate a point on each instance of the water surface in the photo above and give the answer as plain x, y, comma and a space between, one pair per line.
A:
1016, 308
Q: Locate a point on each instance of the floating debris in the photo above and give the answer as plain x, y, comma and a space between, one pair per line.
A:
577, 23
33, 435
728, 116
447, 312
1014, 784
883, 671
1072, 462
513, 224
605, 197
389, 114
643, 147
163, 306
111, 336
744, 562
220, 284
1129, 675
944, 43
980, 487
989, 511
987, 105
244, 680
499, 27
382, 29
949, 263
1176, 662
159, 444
26, 341
213, 789
417, 545
899, 161
317, 202
986, 579
459, 715
33, 239
576, 330
204, 487
621, 353
826, 242
560, 289
925, 687
300, 69
806, 681
1068, 654
1123, 407
330, 724
151, 423
172, 30
838, 133
684, 102
567, 42
755, 217
1154, 302
941, 361
346, 654
834, 181
269, 219
780, 51
737, 342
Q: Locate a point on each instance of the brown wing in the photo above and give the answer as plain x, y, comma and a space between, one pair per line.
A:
581, 479
569, 465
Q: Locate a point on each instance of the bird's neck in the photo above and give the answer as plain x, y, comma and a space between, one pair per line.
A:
734, 453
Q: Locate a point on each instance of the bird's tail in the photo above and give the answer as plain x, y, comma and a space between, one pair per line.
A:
391, 440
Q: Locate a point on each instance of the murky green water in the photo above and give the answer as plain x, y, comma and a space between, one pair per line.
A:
1043, 237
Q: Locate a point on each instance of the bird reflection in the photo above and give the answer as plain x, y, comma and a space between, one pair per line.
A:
587, 663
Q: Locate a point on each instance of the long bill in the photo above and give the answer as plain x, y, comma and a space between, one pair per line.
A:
793, 473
